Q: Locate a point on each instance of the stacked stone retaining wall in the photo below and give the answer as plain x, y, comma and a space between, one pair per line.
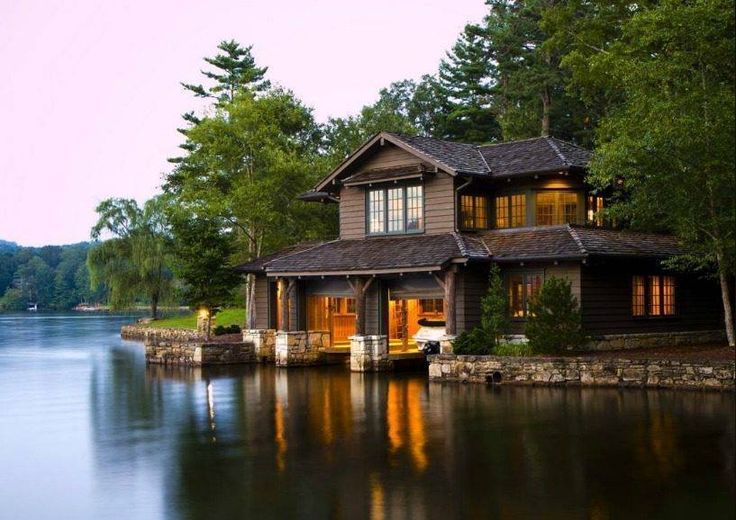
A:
655, 339
142, 333
586, 371
198, 353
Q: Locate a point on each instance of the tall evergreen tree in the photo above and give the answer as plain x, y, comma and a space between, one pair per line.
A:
466, 84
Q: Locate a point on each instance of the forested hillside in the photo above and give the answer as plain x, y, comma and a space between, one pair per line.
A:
54, 277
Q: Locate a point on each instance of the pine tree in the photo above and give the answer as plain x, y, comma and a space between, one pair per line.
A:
466, 85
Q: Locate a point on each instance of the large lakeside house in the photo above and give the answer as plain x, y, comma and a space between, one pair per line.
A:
421, 221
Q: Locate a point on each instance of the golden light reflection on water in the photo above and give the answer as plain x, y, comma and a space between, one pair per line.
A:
377, 497
279, 436
405, 421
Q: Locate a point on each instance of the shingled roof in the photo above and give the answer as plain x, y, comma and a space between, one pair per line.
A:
537, 155
574, 242
540, 154
397, 253
458, 157
372, 254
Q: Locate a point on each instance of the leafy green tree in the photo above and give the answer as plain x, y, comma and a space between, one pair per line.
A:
494, 308
554, 323
391, 113
13, 300
201, 251
251, 159
135, 261
668, 148
35, 280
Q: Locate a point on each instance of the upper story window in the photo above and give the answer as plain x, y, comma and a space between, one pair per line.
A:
556, 207
653, 296
595, 205
474, 211
395, 210
511, 211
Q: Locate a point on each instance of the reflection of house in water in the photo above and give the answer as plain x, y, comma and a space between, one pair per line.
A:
327, 443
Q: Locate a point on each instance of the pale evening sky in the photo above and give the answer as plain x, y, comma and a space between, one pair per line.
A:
90, 96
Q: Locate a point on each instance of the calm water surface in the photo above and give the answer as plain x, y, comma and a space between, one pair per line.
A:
88, 431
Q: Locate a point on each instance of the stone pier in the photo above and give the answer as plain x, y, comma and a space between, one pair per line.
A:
369, 354
264, 341
294, 349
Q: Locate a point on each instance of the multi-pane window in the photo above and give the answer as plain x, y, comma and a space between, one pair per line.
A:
431, 306
376, 212
474, 211
502, 212
395, 210
414, 208
653, 295
523, 287
556, 207
638, 296
595, 206
511, 211
395, 197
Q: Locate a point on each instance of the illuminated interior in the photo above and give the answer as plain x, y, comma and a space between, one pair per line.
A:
333, 314
404, 316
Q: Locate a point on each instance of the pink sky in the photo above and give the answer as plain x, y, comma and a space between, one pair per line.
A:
90, 96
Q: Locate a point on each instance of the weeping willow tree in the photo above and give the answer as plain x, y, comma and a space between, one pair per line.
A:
133, 263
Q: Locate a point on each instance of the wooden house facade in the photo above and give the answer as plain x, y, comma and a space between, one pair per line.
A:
421, 221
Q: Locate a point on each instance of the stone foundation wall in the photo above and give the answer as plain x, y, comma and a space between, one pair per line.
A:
264, 341
294, 349
141, 333
318, 339
198, 353
657, 339
369, 354
586, 371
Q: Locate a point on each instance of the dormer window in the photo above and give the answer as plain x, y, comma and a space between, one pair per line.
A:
474, 211
395, 210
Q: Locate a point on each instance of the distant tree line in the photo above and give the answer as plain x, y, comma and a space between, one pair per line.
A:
54, 277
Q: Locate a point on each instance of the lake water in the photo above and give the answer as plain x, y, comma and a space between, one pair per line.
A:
87, 431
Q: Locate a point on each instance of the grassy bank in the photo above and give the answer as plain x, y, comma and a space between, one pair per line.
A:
225, 317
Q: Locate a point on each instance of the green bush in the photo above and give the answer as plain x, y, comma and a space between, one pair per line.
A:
554, 322
230, 329
494, 308
473, 343
513, 350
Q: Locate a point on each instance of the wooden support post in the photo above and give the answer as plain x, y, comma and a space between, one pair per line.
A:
358, 285
449, 302
284, 303
360, 288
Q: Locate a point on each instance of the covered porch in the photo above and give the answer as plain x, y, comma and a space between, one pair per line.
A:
403, 308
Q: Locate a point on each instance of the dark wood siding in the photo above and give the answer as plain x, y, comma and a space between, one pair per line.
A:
472, 284
261, 302
439, 204
352, 212
439, 195
606, 300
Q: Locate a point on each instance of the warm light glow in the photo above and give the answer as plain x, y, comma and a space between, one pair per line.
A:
279, 436
204, 313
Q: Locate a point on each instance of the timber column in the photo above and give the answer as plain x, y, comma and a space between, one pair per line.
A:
449, 304
292, 346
